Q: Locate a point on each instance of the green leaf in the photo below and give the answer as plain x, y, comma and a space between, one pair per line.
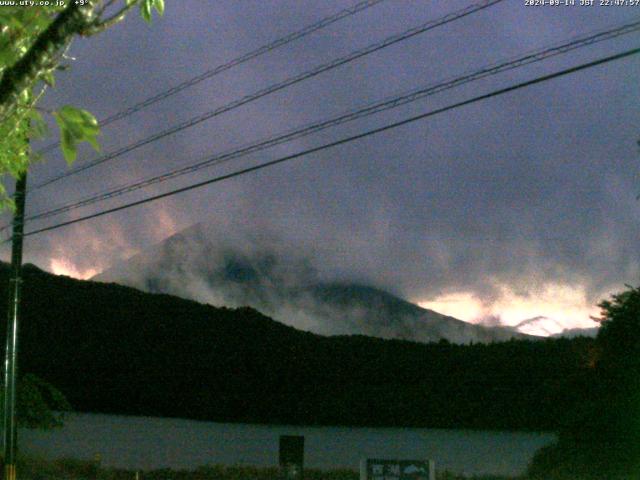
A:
76, 125
159, 5
25, 96
49, 79
146, 7
68, 145
38, 127
7, 57
145, 10
93, 142
70, 114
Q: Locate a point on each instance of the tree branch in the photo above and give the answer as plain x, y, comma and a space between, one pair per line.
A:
24, 73
99, 26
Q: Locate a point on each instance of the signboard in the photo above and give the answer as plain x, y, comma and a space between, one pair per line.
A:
379, 469
291, 458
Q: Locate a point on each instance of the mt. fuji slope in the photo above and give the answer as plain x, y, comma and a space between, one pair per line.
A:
548, 327
265, 274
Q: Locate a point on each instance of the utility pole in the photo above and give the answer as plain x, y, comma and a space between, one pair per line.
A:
11, 353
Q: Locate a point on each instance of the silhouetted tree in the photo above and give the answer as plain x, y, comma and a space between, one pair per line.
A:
602, 441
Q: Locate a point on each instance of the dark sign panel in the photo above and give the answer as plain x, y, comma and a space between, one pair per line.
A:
291, 456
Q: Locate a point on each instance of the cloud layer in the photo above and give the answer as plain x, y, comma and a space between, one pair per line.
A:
514, 198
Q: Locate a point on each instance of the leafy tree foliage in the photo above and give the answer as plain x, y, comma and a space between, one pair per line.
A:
619, 341
603, 439
33, 43
40, 404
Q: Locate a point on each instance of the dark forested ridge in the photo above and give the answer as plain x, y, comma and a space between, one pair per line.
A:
115, 349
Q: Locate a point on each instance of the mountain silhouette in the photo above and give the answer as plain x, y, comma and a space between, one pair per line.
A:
115, 349
287, 287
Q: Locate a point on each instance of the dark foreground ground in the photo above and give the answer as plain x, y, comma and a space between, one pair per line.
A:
68, 469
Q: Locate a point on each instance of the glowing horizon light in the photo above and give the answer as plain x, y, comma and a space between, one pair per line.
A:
554, 307
63, 266
462, 305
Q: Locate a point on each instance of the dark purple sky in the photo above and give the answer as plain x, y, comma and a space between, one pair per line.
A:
517, 206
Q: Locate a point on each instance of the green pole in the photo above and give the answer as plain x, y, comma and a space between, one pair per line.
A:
11, 352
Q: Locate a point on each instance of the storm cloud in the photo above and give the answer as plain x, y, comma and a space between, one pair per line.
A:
513, 197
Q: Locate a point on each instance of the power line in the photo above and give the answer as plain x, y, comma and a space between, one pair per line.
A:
324, 22
377, 107
407, 34
345, 140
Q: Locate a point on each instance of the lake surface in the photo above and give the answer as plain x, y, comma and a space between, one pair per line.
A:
149, 443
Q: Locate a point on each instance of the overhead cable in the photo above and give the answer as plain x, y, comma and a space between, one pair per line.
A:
371, 109
394, 39
324, 22
342, 141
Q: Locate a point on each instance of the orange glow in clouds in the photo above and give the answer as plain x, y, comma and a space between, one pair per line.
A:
62, 266
564, 306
